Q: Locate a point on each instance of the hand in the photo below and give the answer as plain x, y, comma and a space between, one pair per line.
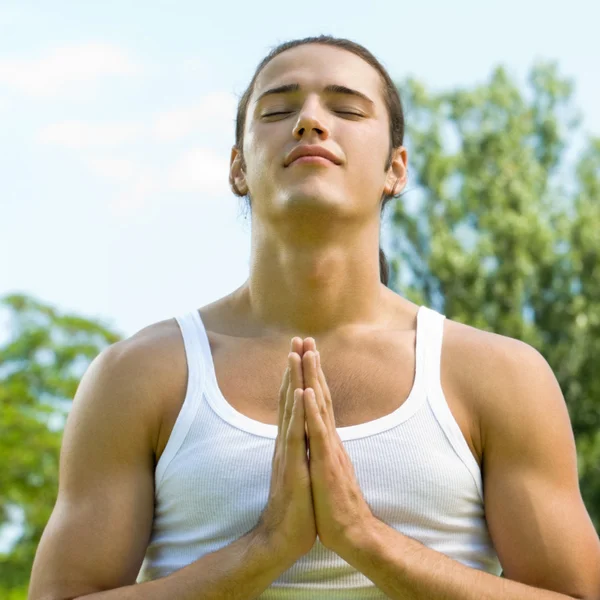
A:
288, 521
339, 505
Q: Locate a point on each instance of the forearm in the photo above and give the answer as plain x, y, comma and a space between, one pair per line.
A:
405, 569
239, 571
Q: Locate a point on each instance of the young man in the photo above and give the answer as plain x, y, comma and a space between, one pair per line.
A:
438, 453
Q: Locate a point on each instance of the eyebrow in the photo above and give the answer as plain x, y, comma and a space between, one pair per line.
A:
332, 89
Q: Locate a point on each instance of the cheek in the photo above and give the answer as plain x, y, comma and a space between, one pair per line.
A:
367, 162
369, 144
259, 164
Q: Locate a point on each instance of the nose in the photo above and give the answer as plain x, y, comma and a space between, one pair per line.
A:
311, 118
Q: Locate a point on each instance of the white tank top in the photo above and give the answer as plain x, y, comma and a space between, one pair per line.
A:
413, 466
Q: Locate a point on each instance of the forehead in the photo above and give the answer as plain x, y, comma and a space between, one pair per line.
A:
314, 66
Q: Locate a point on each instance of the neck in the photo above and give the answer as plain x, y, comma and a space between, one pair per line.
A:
307, 287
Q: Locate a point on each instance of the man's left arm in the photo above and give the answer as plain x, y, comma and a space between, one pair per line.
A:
540, 528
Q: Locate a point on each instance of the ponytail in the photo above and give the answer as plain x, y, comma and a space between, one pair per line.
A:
384, 268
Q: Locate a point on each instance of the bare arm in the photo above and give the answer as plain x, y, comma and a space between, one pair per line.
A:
97, 535
240, 571
536, 516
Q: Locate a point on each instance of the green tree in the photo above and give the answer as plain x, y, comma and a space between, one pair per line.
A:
41, 365
501, 229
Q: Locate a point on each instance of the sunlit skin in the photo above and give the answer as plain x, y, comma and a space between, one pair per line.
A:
314, 266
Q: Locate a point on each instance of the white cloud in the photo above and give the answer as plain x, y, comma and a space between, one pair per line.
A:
197, 170
200, 170
61, 67
135, 197
214, 112
136, 182
140, 177
80, 134
114, 169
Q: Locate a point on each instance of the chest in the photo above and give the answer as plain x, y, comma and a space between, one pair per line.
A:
367, 379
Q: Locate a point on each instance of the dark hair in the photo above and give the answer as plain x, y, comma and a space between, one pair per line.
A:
392, 101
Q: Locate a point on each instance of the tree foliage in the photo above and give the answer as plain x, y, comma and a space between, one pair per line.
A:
502, 229
41, 365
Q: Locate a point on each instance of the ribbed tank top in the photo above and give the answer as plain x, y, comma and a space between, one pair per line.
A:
414, 468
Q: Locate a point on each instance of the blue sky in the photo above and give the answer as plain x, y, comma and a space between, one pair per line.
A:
117, 120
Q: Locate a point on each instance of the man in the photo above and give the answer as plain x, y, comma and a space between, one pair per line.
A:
437, 452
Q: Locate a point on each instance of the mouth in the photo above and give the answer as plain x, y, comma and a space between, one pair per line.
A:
315, 160
310, 153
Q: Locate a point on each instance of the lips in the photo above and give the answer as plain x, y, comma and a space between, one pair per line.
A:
306, 150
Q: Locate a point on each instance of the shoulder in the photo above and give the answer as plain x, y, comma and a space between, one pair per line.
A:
504, 382
149, 354
485, 356
147, 370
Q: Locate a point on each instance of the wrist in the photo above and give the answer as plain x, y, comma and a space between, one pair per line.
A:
363, 536
274, 544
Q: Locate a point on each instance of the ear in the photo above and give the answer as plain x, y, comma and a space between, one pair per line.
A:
397, 173
237, 177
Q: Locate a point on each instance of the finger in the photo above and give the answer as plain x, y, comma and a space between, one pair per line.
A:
311, 378
296, 345
308, 367
296, 371
295, 440
283, 397
318, 435
309, 343
325, 389
295, 382
287, 413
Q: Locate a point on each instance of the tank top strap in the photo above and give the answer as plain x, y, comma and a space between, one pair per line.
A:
188, 324
433, 332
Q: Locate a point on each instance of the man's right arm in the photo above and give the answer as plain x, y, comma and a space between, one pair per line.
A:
96, 538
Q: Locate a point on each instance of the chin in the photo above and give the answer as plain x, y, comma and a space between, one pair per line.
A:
311, 197
310, 204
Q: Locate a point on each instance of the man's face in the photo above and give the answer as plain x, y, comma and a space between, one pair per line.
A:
355, 129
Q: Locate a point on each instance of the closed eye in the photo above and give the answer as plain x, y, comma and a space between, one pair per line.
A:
340, 112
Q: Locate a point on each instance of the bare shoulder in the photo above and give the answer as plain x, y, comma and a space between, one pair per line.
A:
154, 355
498, 377
160, 346
152, 362
154, 340
484, 357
